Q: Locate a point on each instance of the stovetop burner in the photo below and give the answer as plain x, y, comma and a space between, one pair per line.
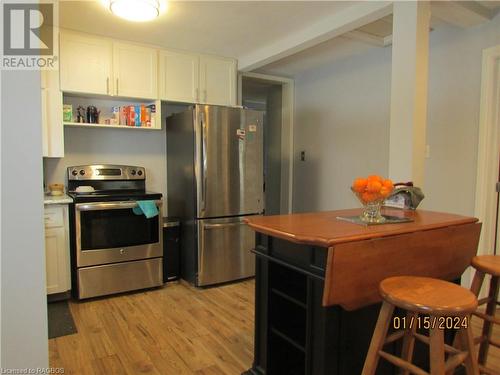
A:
115, 196
111, 183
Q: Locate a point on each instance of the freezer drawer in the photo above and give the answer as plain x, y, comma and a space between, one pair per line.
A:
224, 250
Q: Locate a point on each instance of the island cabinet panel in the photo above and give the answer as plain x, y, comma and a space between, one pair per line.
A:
357, 268
295, 334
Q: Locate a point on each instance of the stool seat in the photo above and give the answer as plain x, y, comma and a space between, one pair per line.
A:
487, 263
435, 299
426, 295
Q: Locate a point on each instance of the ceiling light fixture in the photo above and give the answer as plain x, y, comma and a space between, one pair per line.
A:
135, 10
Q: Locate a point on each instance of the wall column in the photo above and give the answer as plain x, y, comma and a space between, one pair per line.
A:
410, 59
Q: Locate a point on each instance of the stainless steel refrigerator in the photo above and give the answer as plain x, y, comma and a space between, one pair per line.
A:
215, 180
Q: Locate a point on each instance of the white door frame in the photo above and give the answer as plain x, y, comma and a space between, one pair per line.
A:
488, 149
287, 150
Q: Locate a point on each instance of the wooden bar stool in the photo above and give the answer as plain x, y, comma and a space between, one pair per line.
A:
486, 264
444, 304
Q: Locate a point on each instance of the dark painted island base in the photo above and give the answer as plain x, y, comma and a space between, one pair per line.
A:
294, 333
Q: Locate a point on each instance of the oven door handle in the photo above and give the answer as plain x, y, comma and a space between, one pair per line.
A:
109, 205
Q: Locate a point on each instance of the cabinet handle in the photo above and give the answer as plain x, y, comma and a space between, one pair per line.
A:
107, 85
117, 86
205, 95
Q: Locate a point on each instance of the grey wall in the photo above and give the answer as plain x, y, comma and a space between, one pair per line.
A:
453, 120
342, 122
145, 148
23, 297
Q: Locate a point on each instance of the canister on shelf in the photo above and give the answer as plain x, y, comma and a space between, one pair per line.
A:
67, 112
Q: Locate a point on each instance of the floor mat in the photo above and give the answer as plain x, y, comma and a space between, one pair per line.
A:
61, 322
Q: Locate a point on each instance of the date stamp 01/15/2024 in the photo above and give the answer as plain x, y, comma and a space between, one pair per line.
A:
430, 322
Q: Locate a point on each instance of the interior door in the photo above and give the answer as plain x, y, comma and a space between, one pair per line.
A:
231, 162
224, 250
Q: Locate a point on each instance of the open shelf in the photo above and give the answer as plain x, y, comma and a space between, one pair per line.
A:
106, 105
105, 126
290, 341
289, 298
284, 356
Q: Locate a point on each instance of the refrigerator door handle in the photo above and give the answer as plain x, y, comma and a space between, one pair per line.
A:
224, 225
203, 162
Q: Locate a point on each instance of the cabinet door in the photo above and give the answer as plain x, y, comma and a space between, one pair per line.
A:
135, 71
86, 64
52, 121
218, 80
56, 260
179, 74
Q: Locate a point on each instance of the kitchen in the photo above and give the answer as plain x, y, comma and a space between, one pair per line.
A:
307, 170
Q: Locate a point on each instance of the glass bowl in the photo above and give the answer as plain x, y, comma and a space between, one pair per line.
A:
372, 204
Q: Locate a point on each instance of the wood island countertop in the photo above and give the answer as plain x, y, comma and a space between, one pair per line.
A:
325, 230
359, 257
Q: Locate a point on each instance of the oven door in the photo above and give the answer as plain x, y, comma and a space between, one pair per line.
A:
109, 232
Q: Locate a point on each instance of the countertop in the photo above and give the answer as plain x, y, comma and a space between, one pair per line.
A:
324, 229
358, 257
57, 199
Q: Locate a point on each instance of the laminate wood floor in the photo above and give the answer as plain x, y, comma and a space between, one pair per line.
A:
174, 330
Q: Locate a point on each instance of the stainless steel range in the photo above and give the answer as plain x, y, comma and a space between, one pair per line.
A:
114, 246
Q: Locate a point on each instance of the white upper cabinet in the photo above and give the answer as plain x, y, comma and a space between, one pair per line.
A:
52, 119
217, 80
102, 66
86, 64
135, 71
179, 76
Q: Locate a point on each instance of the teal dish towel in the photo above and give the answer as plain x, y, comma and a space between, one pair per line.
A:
146, 208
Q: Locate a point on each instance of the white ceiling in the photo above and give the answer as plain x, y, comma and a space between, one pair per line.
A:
325, 53
230, 28
236, 28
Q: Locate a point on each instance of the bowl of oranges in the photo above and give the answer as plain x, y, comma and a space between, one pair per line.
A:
372, 192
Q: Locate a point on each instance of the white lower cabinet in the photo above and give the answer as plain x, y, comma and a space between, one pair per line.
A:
57, 249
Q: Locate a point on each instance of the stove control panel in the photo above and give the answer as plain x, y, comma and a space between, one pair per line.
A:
106, 172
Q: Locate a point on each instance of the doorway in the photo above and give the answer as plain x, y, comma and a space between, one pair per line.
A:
273, 96
488, 162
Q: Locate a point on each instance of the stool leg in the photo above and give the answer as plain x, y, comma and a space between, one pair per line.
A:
488, 326
475, 288
409, 339
436, 351
467, 340
477, 282
378, 339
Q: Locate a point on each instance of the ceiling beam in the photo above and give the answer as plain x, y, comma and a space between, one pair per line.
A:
364, 37
463, 14
327, 28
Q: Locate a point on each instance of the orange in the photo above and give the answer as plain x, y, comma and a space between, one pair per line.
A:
359, 185
375, 177
368, 197
388, 183
385, 191
373, 186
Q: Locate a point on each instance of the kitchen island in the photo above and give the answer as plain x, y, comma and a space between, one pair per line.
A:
316, 291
